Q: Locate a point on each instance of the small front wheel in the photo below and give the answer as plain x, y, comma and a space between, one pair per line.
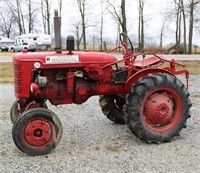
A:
37, 131
15, 111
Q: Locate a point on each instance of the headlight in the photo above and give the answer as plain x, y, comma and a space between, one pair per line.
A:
37, 65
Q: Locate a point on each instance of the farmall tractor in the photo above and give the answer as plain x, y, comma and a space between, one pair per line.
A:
146, 96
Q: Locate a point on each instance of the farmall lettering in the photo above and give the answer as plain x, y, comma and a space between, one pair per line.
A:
148, 97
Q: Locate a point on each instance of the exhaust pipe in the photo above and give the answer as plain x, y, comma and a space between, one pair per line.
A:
57, 32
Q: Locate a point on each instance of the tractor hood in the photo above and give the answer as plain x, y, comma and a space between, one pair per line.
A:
76, 59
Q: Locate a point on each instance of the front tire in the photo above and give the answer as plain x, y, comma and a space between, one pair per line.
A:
157, 108
37, 131
14, 112
112, 107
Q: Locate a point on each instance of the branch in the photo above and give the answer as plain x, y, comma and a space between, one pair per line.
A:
114, 14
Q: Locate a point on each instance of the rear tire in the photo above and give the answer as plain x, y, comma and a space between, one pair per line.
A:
157, 108
37, 131
112, 107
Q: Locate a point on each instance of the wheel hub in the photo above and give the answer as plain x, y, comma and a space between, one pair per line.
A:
38, 133
158, 109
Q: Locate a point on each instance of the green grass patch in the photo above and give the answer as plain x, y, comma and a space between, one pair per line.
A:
6, 70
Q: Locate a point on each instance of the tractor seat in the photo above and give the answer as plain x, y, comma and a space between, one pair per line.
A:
148, 61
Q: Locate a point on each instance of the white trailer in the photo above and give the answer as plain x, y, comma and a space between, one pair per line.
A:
38, 39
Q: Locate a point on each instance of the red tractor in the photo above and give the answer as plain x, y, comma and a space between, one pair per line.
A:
146, 96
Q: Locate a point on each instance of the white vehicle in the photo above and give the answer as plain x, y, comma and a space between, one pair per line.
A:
38, 39
19, 47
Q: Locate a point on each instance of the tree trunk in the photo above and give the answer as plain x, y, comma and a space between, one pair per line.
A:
19, 17
162, 33
30, 26
81, 5
77, 38
139, 28
191, 21
101, 28
43, 16
123, 11
46, 16
84, 32
184, 28
177, 27
141, 25
123, 20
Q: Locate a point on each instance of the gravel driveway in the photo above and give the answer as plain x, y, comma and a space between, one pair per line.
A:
91, 143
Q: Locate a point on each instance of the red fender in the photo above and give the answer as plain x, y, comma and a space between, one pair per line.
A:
134, 78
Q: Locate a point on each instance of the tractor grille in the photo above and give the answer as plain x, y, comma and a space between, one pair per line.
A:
18, 78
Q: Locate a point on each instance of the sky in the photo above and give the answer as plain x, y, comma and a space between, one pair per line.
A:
153, 8
152, 14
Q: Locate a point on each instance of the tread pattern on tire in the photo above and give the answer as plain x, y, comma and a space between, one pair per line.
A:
110, 110
134, 100
27, 115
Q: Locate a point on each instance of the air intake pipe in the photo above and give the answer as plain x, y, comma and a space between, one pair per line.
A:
57, 32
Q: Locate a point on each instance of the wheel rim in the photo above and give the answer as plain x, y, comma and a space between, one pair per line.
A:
162, 110
38, 133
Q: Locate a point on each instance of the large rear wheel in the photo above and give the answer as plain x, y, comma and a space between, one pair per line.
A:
37, 131
157, 108
112, 107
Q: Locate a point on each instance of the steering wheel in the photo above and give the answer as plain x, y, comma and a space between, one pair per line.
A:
127, 42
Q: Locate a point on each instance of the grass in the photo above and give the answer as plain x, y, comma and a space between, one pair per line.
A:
192, 66
6, 53
6, 70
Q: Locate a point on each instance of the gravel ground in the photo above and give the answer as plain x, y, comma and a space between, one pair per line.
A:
91, 143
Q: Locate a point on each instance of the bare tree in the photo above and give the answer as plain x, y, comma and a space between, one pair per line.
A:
78, 32
178, 23
20, 15
46, 15
119, 15
6, 23
141, 24
81, 6
123, 13
101, 27
184, 27
182, 9
16, 9
193, 4
32, 14
162, 32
